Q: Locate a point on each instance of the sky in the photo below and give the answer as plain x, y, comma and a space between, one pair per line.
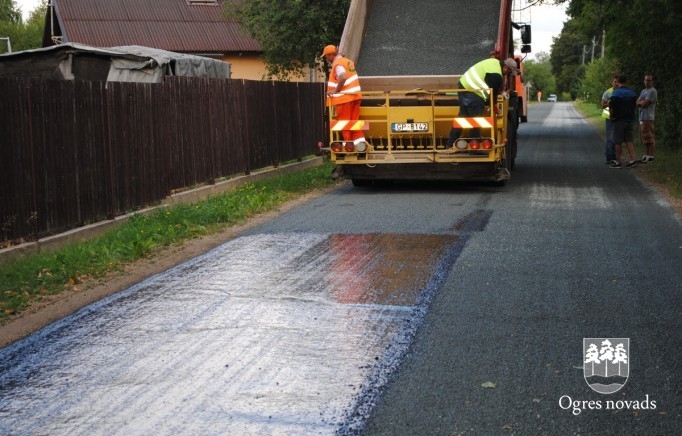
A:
27, 6
547, 21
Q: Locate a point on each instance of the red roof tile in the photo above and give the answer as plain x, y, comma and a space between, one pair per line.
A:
172, 25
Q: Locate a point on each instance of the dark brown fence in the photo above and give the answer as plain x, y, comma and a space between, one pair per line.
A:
79, 152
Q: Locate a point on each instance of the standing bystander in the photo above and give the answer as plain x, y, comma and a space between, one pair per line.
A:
622, 107
647, 111
609, 147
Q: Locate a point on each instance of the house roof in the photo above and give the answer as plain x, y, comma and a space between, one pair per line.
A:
175, 25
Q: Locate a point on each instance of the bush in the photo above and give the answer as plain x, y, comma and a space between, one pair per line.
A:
597, 79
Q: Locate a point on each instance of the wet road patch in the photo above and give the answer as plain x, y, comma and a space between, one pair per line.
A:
270, 333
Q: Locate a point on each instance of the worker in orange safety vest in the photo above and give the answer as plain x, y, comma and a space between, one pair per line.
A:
343, 91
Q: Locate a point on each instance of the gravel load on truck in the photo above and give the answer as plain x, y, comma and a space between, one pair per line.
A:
406, 37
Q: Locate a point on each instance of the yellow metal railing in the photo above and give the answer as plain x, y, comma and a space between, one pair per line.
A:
382, 111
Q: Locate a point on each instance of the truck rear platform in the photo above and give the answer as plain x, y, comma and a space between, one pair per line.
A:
409, 103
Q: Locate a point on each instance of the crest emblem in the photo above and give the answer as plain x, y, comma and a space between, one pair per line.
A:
606, 363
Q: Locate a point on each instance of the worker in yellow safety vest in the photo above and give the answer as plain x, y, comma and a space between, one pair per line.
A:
343, 91
480, 78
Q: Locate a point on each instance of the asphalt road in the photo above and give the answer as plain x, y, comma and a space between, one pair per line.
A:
572, 250
403, 309
569, 249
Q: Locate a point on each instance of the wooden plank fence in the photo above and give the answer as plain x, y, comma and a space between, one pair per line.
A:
78, 152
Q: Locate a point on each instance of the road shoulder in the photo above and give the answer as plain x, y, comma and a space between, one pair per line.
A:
55, 307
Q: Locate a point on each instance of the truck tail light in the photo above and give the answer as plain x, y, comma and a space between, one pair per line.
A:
348, 147
474, 144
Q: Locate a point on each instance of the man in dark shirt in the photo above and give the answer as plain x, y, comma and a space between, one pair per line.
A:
622, 107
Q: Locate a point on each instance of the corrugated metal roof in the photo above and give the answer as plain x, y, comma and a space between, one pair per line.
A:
173, 25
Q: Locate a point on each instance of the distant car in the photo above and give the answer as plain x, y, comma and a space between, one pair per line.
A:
551, 98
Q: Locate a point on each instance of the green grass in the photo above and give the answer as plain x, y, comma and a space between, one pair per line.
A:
25, 281
592, 114
666, 171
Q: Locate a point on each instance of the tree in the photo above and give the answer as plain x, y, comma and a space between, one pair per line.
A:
606, 353
567, 57
538, 72
592, 356
34, 26
620, 355
596, 80
9, 13
23, 36
638, 40
291, 33
591, 17
10, 25
639, 48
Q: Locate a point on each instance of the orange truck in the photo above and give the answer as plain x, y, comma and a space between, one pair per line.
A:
409, 57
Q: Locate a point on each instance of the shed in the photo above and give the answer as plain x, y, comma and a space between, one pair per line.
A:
132, 63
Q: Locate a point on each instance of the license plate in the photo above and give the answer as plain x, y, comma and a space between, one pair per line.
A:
409, 127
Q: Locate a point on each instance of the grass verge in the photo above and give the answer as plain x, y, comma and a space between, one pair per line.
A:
26, 281
665, 172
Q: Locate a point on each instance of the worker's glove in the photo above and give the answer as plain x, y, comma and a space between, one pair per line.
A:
505, 95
